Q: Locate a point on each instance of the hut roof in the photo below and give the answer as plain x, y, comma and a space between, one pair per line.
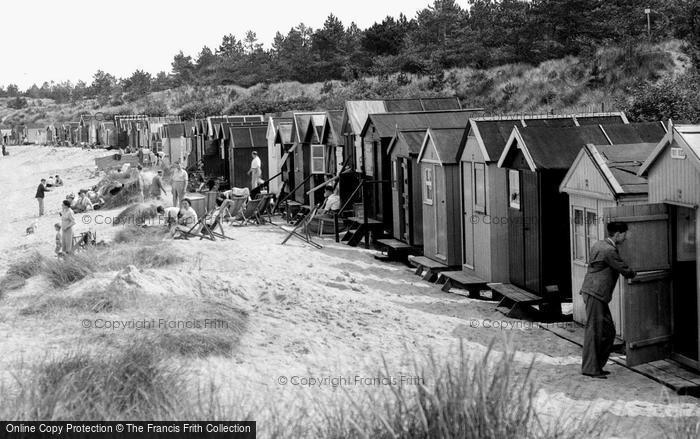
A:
308, 126
332, 129
284, 133
618, 166
356, 112
448, 144
248, 136
386, 124
557, 148
412, 140
685, 137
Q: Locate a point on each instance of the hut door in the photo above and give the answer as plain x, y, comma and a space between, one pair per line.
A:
440, 213
646, 299
468, 213
405, 200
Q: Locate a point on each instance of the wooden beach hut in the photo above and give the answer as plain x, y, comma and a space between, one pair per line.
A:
311, 157
274, 150
600, 177
377, 133
285, 139
406, 194
439, 175
484, 239
537, 160
243, 141
661, 308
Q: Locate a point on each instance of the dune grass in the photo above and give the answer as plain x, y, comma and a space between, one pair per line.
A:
19, 271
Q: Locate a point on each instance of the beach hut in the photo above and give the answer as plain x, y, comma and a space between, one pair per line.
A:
285, 139
484, 239
274, 150
406, 195
537, 160
377, 133
311, 157
661, 308
600, 177
243, 140
439, 175
332, 137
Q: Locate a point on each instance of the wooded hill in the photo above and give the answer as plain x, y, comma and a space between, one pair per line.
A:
507, 55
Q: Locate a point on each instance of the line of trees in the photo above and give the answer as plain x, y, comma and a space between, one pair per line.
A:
443, 35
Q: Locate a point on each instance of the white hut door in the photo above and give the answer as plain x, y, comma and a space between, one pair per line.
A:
405, 199
647, 299
468, 213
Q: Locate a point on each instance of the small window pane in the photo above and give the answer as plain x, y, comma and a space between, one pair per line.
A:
394, 174
591, 229
480, 187
428, 195
318, 159
579, 236
514, 188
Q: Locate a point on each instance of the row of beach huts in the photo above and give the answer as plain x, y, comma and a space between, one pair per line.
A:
507, 203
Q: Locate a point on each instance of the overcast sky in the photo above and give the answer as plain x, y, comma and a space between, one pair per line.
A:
71, 39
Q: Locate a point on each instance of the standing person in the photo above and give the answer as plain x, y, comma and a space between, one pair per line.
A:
40, 190
157, 186
59, 239
142, 183
604, 268
67, 223
255, 170
179, 184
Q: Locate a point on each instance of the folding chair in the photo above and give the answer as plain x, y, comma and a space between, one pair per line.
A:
232, 207
216, 218
83, 240
249, 214
304, 225
200, 229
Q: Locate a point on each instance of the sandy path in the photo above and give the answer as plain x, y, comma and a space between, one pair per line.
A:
334, 312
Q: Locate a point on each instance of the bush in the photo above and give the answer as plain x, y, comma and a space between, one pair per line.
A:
17, 103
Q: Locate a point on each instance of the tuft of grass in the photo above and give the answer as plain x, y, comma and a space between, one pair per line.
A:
20, 270
95, 301
488, 398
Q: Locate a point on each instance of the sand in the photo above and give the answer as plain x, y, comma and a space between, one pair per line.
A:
314, 315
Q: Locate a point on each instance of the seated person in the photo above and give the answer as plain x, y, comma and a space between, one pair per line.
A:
331, 205
96, 200
187, 218
236, 192
168, 214
58, 181
50, 182
82, 203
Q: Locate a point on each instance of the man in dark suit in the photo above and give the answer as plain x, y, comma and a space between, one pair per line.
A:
604, 268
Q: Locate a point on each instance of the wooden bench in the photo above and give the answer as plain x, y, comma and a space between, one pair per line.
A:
395, 250
459, 279
514, 297
427, 268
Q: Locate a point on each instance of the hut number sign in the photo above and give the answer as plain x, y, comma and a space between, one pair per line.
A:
678, 154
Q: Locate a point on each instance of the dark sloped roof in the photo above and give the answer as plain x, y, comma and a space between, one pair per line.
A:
387, 123
248, 136
635, 132
284, 132
448, 143
557, 148
495, 134
552, 122
393, 105
334, 121
434, 104
413, 139
597, 120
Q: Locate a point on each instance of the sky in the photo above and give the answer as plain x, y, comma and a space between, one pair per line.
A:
71, 39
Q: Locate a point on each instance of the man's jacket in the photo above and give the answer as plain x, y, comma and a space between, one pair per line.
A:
604, 268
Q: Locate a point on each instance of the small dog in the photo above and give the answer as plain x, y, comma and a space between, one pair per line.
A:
33, 228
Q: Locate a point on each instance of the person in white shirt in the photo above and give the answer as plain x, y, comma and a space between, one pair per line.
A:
179, 184
186, 218
67, 223
168, 215
255, 170
332, 202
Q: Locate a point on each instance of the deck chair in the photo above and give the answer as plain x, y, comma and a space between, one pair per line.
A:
198, 230
249, 214
232, 207
214, 225
83, 240
303, 225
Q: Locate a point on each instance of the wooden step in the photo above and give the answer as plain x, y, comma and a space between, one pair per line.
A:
463, 280
514, 297
428, 268
395, 249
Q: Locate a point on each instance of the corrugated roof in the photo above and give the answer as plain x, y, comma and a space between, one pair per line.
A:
495, 133
386, 124
691, 135
248, 136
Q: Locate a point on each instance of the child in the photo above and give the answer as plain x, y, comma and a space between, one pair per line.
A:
58, 250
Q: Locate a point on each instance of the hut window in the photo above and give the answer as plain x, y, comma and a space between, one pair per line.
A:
479, 188
369, 158
428, 188
514, 189
394, 174
318, 159
591, 229
579, 235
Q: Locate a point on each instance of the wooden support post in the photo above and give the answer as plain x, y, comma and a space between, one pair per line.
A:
335, 227
364, 215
